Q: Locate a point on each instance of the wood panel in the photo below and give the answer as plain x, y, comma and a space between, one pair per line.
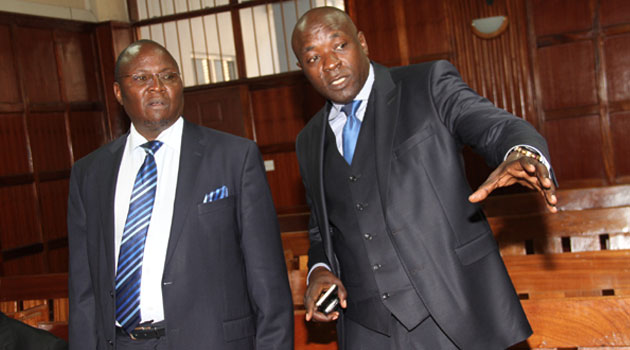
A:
87, 132
38, 65
220, 109
76, 58
285, 182
576, 148
568, 83
576, 16
53, 198
49, 141
617, 56
614, 12
427, 29
15, 157
280, 112
574, 322
377, 20
620, 127
9, 89
19, 217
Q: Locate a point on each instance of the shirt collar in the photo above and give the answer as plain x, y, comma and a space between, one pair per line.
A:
171, 137
363, 95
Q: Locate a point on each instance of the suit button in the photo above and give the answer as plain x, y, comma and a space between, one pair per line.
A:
368, 236
110, 342
385, 296
353, 178
361, 206
376, 266
111, 293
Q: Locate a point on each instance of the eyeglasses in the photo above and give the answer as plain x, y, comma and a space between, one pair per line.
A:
142, 79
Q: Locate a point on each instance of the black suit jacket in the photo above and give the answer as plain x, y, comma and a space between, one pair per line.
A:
15, 335
225, 283
424, 115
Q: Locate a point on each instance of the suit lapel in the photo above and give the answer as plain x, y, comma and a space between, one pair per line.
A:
189, 162
385, 106
108, 175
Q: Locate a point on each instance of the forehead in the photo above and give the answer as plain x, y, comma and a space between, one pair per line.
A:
318, 33
147, 57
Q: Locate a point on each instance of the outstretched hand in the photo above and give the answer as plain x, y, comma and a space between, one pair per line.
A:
320, 280
517, 168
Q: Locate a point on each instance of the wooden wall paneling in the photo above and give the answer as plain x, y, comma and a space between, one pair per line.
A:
219, 108
15, 155
87, 131
111, 39
576, 147
285, 182
617, 58
377, 20
576, 16
32, 263
9, 88
38, 65
49, 141
620, 129
19, 224
53, 198
279, 114
427, 30
614, 12
81, 81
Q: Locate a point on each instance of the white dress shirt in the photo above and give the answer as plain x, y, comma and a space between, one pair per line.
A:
167, 161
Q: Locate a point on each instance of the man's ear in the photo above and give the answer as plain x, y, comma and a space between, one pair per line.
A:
298, 64
118, 93
363, 43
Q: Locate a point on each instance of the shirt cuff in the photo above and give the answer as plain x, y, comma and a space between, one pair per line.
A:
313, 268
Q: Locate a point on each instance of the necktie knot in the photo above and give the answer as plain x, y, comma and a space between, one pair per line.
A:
350, 109
152, 146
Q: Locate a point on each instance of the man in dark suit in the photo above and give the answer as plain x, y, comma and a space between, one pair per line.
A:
190, 258
15, 335
394, 224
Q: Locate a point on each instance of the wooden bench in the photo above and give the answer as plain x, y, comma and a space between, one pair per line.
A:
37, 300
571, 269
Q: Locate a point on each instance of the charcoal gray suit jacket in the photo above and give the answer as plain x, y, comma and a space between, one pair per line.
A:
225, 282
424, 115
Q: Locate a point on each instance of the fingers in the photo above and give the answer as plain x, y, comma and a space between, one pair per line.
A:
320, 280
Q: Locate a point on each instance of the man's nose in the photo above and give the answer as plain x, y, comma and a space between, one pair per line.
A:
331, 62
155, 83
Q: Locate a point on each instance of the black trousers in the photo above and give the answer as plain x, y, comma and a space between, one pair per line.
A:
426, 336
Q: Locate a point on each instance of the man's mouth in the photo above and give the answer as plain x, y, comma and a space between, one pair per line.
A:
338, 81
156, 104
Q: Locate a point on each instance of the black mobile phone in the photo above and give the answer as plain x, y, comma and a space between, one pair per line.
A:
328, 300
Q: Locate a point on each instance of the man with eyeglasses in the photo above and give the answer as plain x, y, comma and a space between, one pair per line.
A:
173, 236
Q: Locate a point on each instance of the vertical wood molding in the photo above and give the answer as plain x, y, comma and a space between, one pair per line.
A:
401, 28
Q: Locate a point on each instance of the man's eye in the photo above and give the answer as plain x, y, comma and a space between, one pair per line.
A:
140, 77
312, 59
341, 46
169, 76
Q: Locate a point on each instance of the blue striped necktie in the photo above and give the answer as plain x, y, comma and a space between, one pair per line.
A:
351, 129
129, 269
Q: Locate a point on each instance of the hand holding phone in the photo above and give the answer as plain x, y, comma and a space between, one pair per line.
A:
328, 300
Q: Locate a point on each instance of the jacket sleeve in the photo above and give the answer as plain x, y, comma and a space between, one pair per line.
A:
477, 122
81, 324
264, 259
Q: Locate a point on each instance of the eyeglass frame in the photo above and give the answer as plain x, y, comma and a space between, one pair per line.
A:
151, 77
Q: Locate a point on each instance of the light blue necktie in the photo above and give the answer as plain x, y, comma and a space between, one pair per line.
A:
350, 129
129, 271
